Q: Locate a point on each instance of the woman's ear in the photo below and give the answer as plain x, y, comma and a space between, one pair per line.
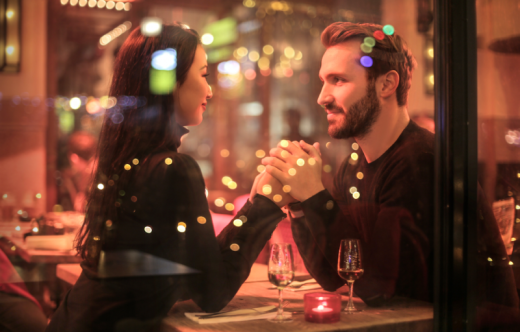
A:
390, 82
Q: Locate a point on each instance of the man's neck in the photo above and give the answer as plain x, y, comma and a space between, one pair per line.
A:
384, 132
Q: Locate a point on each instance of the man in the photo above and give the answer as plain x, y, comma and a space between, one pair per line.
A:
383, 193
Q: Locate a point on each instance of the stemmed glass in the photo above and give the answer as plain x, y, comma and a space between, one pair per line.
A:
350, 267
281, 273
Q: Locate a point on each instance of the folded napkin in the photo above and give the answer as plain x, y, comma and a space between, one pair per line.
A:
240, 315
303, 288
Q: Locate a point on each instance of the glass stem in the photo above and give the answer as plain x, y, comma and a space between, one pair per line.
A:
350, 305
280, 304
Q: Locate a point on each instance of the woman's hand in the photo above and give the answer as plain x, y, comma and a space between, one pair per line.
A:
298, 167
271, 188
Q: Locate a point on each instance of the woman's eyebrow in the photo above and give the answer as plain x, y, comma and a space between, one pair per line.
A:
205, 66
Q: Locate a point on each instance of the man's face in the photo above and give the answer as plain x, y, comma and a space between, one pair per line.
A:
350, 101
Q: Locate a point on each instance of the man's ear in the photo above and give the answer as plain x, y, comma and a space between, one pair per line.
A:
390, 82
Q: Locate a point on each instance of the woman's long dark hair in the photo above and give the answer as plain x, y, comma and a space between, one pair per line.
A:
139, 123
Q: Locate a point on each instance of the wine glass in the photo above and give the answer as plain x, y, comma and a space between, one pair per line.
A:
281, 273
350, 267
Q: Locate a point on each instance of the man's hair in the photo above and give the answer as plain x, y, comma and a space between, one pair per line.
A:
391, 53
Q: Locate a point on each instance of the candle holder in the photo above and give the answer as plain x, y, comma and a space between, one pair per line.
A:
322, 307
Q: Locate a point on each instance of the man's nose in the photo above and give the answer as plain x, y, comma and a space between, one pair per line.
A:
325, 97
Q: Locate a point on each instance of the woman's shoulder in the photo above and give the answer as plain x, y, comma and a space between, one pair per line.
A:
167, 164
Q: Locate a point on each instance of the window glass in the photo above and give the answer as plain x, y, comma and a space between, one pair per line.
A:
498, 70
133, 133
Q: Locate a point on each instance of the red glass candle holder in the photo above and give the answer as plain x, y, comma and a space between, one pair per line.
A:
322, 307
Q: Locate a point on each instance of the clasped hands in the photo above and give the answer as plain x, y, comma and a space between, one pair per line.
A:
292, 173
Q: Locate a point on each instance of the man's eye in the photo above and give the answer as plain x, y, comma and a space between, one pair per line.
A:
205, 75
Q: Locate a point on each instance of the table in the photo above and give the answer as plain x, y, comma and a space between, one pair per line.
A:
13, 234
402, 316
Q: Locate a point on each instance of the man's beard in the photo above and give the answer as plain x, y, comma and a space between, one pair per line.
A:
358, 120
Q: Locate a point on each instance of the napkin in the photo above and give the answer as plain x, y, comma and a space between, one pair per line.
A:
303, 288
240, 315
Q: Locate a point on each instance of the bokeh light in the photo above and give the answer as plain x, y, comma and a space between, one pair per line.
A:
366, 61
388, 30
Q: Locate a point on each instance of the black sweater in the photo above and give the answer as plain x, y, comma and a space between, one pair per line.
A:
168, 189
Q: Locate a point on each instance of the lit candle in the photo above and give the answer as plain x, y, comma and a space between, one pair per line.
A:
322, 307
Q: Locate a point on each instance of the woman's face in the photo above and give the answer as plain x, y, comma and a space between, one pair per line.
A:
191, 97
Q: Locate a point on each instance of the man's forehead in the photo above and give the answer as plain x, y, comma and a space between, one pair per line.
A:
343, 56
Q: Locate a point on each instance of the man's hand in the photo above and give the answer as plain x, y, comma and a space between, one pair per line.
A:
271, 188
297, 166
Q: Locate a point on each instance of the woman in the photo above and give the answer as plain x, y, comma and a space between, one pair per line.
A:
147, 198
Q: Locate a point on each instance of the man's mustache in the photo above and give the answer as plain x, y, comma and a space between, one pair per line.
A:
333, 107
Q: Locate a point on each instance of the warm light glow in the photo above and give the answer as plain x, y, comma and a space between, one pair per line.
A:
229, 206
285, 154
93, 107
181, 227
300, 162
250, 74
292, 172
10, 13
510, 262
240, 163
150, 26
237, 222
277, 198
268, 49
128, 6
17, 228
135, 161
312, 161
267, 189
82, 3
96, 238
327, 168
354, 156
328, 145
355, 146
284, 143
286, 188
120, 6
226, 179
260, 168
148, 229
242, 51
109, 223
201, 220
431, 79
249, 3
289, 52
224, 153
430, 52
298, 56
38, 195
73, 2
111, 4
35, 229
207, 39
359, 175
9, 50
260, 153
234, 247
232, 185
75, 103
101, 4
92, 3
100, 186
356, 195
352, 190
220, 202
263, 63
168, 161
254, 56
127, 167
329, 205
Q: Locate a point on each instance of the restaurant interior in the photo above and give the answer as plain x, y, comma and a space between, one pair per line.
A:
264, 57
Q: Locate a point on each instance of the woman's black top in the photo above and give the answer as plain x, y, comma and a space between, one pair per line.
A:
167, 189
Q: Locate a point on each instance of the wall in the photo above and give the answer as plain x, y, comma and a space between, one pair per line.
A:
402, 15
23, 115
